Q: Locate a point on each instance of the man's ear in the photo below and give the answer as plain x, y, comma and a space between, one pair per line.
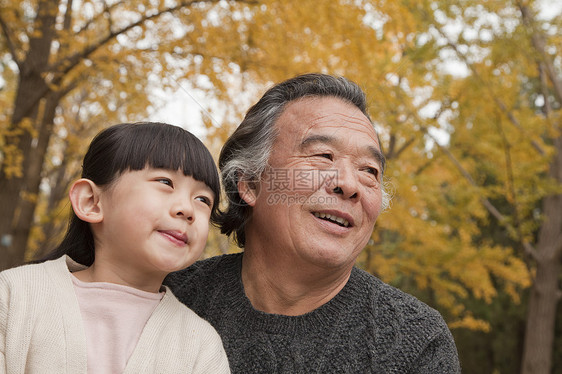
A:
248, 191
85, 199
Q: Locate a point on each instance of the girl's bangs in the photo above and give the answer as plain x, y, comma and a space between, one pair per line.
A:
168, 147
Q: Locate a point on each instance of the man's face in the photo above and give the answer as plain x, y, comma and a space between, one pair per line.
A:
320, 196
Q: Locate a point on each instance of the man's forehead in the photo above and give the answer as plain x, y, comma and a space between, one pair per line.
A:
304, 114
326, 119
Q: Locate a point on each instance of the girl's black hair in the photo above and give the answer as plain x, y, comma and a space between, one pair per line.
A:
133, 146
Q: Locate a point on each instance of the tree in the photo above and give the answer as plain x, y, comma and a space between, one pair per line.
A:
547, 253
501, 159
62, 46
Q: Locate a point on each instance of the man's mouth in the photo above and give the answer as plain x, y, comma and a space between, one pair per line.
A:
334, 219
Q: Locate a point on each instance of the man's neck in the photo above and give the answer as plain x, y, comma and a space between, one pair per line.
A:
278, 288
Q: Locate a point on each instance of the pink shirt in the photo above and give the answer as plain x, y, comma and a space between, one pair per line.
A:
114, 317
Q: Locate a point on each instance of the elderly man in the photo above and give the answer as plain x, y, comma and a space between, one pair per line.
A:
303, 176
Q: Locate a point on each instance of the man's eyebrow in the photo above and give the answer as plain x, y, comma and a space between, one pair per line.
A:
327, 139
317, 139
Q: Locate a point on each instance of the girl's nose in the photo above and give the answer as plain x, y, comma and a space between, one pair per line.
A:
184, 208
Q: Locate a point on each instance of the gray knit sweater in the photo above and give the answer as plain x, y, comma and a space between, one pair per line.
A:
369, 327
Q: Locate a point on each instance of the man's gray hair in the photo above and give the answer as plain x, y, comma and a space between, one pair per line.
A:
245, 154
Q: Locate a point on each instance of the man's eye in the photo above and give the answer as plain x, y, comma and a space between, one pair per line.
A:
205, 200
166, 181
325, 155
373, 171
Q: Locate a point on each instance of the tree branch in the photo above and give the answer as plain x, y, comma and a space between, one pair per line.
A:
68, 16
547, 108
404, 146
527, 246
510, 179
107, 9
69, 63
496, 99
72, 61
10, 43
539, 43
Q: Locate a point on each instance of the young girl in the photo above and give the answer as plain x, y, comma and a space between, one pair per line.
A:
140, 211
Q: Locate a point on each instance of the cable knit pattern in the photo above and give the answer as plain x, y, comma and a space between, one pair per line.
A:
369, 327
41, 329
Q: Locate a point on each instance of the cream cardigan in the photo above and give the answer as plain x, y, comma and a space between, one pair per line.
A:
41, 329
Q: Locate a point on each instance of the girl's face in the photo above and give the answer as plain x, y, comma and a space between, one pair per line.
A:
155, 221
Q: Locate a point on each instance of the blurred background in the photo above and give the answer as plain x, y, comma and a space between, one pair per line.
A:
466, 96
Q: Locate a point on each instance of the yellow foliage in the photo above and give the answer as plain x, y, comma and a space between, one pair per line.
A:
12, 161
27, 125
30, 197
469, 322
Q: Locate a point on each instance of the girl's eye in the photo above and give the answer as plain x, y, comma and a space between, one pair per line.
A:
166, 181
205, 200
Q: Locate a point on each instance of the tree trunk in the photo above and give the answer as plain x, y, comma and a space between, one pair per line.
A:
545, 293
25, 219
24, 139
539, 333
13, 186
541, 317
25, 190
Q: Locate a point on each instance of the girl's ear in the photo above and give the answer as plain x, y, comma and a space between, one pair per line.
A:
248, 191
85, 199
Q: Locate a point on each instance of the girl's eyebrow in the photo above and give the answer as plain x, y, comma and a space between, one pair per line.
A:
327, 139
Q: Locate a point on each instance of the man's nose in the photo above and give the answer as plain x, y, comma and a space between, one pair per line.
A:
345, 181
